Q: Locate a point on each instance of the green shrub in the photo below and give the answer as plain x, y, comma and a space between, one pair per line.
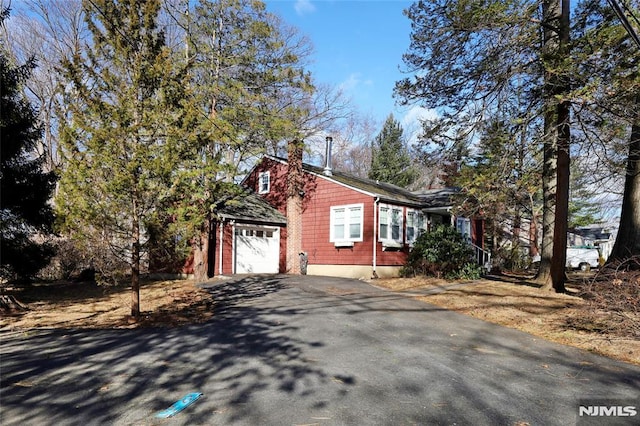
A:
442, 252
470, 271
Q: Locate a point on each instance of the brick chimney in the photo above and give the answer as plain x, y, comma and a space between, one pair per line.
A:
295, 194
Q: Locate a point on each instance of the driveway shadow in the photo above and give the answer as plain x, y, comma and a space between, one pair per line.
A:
125, 376
297, 350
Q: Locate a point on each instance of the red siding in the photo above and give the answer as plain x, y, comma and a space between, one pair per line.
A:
215, 265
320, 195
227, 250
277, 196
315, 225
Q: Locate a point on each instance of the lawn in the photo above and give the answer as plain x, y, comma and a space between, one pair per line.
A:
87, 305
516, 303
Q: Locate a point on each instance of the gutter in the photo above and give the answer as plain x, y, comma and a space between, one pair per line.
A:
409, 200
221, 247
254, 221
233, 247
444, 209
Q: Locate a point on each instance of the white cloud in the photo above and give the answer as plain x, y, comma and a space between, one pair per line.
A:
412, 119
354, 81
417, 113
351, 82
304, 7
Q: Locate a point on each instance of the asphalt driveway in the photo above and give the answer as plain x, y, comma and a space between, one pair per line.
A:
287, 350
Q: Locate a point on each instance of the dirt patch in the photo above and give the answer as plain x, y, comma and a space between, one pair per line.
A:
518, 305
87, 305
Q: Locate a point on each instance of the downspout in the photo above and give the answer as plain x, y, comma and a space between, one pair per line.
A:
221, 238
233, 247
375, 235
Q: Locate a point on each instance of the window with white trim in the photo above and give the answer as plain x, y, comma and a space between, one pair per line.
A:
390, 224
416, 225
346, 223
463, 225
264, 182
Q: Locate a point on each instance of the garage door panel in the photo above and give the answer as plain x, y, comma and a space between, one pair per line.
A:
257, 250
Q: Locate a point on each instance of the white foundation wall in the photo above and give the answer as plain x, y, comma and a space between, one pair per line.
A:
354, 271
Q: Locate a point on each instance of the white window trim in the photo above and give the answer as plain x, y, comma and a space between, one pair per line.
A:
260, 177
463, 226
340, 242
418, 230
388, 241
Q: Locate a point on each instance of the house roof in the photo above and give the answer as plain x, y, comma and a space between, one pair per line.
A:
437, 198
249, 207
595, 234
440, 198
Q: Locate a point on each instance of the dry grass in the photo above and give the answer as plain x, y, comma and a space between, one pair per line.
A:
86, 305
521, 306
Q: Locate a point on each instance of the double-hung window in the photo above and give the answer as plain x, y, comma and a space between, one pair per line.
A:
346, 223
463, 225
416, 225
390, 227
264, 182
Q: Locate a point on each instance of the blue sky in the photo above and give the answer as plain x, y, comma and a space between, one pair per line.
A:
358, 46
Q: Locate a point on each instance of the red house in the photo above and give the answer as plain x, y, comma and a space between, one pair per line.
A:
333, 223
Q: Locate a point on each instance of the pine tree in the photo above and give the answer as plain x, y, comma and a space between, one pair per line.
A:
466, 56
250, 89
500, 184
610, 93
583, 210
26, 190
390, 160
124, 139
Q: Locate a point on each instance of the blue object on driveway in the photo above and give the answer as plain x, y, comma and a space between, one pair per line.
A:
186, 401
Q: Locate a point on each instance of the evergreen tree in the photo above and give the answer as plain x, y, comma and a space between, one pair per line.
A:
466, 56
123, 140
250, 89
583, 209
609, 91
390, 160
25, 188
500, 184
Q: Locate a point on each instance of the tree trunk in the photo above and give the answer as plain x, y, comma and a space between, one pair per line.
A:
556, 148
548, 211
533, 230
10, 304
628, 240
201, 253
550, 12
558, 263
135, 264
516, 252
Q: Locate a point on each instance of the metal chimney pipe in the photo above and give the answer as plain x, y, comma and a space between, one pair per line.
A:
327, 157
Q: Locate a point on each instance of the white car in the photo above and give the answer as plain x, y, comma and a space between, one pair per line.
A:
583, 258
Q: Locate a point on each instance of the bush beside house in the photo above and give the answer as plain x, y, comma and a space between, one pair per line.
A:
442, 252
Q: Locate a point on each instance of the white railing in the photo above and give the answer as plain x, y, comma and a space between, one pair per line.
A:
482, 257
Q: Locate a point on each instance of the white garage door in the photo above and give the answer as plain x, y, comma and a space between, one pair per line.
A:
257, 250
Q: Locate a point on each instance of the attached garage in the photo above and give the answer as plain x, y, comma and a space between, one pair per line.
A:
257, 249
248, 234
